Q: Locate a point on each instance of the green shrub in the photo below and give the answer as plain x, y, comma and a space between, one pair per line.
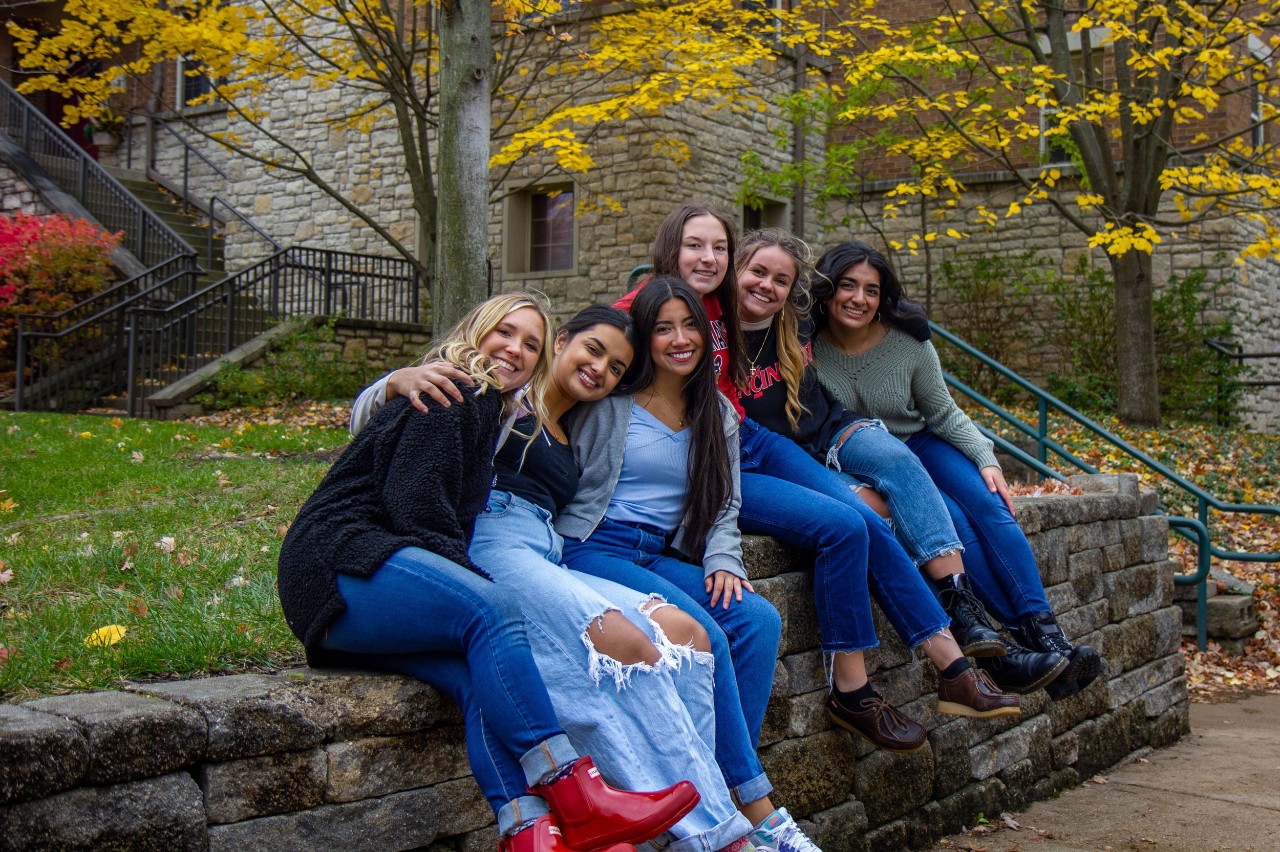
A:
1196, 383
988, 304
302, 365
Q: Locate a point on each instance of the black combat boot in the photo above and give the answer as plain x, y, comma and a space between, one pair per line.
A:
969, 625
1040, 632
1023, 671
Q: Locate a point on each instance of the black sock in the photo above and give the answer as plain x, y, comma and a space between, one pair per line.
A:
956, 669
854, 697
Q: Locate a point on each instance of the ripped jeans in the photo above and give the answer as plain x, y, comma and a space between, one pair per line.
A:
872, 456
646, 727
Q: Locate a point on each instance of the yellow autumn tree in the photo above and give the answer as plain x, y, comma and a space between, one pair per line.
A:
1167, 112
547, 82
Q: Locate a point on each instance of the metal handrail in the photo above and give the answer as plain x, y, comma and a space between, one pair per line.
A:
214, 201
146, 235
1196, 529
167, 343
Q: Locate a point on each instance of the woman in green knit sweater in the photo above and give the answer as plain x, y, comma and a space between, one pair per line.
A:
873, 354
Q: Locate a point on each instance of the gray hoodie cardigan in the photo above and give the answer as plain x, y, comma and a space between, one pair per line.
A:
598, 432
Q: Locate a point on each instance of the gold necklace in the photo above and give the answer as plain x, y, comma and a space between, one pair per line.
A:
760, 351
667, 407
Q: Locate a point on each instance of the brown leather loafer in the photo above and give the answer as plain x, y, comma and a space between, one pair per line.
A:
973, 693
878, 722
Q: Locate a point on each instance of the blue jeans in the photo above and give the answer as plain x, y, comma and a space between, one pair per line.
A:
421, 615
920, 519
902, 593
997, 557
744, 639
646, 727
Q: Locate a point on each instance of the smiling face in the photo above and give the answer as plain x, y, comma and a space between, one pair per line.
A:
856, 299
514, 344
676, 345
764, 283
589, 365
704, 253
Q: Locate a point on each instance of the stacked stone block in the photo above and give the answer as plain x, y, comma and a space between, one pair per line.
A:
350, 760
18, 196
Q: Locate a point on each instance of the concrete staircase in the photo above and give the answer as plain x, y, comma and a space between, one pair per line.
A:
186, 222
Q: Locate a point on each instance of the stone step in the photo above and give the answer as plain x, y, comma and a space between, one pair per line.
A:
1228, 618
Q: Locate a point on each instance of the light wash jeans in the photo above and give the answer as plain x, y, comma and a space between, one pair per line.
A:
744, 639
872, 456
422, 615
767, 457
646, 727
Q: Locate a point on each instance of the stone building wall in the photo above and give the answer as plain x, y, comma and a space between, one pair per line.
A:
310, 759
16, 195
639, 164
1253, 294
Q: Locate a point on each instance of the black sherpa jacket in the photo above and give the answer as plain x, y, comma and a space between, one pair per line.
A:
407, 480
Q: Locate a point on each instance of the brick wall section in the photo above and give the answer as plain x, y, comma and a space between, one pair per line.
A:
310, 759
16, 195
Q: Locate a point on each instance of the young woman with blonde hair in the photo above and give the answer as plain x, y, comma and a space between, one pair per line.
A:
375, 573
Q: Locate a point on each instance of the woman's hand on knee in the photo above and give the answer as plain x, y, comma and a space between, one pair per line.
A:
434, 379
994, 477
723, 583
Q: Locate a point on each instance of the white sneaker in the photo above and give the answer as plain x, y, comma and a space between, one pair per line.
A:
779, 831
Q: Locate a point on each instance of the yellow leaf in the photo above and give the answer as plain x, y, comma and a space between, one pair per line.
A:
109, 635
85, 435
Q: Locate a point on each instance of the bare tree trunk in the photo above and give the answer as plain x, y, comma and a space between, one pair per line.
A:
1138, 395
466, 62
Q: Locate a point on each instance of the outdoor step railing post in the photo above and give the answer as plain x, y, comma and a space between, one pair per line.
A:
132, 364
20, 374
1042, 452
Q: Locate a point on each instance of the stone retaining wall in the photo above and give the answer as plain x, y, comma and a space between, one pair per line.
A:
346, 760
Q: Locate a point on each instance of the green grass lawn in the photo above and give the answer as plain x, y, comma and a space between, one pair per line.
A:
168, 530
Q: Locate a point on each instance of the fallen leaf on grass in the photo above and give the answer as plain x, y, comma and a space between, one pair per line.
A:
6, 575
62, 665
8, 504
5, 654
166, 544
103, 636
138, 607
173, 593
138, 458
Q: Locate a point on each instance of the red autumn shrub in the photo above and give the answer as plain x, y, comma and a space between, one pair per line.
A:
47, 264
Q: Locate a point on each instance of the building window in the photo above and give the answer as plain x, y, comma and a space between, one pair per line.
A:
770, 214
539, 230
192, 82
1257, 131
1056, 151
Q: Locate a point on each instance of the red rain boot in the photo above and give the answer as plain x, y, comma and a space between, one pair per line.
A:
593, 815
544, 836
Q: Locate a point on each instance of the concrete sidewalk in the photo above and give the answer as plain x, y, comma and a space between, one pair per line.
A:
1218, 789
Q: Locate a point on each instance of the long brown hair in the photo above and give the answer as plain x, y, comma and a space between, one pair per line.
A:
710, 476
787, 321
665, 257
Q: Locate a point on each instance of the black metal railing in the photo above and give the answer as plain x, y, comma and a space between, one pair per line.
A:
146, 236
167, 343
75, 358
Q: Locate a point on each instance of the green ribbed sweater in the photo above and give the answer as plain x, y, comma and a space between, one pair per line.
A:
899, 381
